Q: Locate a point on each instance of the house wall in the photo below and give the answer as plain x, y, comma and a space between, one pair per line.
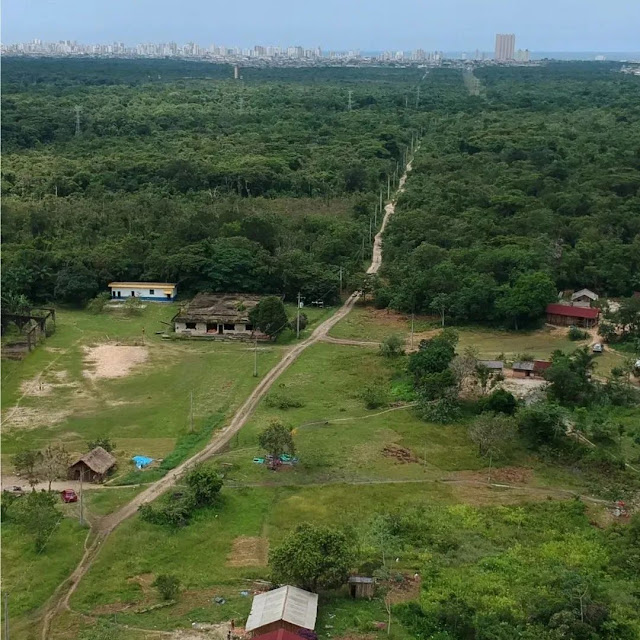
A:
88, 476
201, 329
144, 293
275, 626
565, 321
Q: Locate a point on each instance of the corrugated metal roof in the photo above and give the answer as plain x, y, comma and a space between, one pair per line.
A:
584, 292
572, 312
523, 366
492, 364
288, 603
144, 285
360, 580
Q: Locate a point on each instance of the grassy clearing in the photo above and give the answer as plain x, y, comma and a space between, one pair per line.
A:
32, 577
146, 412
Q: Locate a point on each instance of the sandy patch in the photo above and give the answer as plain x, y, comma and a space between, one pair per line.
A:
38, 386
521, 387
30, 418
113, 360
248, 552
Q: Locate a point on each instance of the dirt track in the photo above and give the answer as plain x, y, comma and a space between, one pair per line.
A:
63, 593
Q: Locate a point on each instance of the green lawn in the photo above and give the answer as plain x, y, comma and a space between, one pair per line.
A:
145, 412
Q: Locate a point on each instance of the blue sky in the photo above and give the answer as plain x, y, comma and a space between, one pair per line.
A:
449, 25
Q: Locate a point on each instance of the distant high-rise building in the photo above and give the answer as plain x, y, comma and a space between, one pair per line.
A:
505, 46
523, 56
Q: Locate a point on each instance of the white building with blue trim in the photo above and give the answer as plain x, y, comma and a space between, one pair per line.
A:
151, 291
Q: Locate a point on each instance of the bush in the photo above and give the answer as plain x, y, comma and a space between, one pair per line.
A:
500, 401
281, 401
576, 334
204, 485
441, 411
374, 396
381, 298
132, 306
167, 585
106, 443
172, 513
392, 346
97, 304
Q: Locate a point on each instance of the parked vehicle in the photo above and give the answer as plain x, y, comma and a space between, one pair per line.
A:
597, 348
69, 495
16, 490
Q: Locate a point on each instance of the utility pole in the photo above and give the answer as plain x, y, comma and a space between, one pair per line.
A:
78, 109
388, 187
191, 414
370, 230
381, 207
341, 280
411, 343
418, 97
349, 102
255, 359
298, 319
81, 497
6, 615
375, 216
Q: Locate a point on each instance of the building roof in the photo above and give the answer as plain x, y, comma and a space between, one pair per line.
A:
572, 312
584, 292
528, 365
220, 307
541, 364
144, 285
279, 634
293, 605
98, 460
491, 364
360, 580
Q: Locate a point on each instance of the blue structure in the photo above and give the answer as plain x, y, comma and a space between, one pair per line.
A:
142, 461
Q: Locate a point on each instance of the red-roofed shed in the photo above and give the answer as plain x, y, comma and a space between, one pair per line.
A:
565, 315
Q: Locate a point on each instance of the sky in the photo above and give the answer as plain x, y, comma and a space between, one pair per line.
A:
365, 25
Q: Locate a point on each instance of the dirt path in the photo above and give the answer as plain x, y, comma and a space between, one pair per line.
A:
63, 593
348, 341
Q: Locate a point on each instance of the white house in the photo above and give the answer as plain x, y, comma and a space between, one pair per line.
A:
152, 291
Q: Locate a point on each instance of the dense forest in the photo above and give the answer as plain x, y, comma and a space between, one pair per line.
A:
530, 189
174, 171
177, 172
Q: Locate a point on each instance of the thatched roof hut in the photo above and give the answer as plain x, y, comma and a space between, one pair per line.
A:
92, 466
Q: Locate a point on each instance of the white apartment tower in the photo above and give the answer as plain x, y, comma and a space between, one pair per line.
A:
505, 46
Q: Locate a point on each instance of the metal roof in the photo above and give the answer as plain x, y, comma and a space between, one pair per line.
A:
584, 292
144, 285
572, 312
492, 364
523, 366
360, 579
287, 603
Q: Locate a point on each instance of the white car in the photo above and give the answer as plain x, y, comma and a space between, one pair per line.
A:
597, 348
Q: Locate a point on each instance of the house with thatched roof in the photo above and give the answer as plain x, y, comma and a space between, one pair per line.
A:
215, 315
93, 466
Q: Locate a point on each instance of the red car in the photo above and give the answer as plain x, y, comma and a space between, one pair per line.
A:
69, 495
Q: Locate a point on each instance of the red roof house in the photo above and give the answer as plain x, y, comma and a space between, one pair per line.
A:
564, 314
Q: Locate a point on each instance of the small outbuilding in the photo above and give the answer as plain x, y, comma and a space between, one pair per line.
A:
584, 296
361, 587
280, 634
93, 466
529, 368
150, 291
567, 315
218, 314
287, 608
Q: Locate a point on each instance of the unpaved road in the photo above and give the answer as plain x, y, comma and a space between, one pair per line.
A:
63, 593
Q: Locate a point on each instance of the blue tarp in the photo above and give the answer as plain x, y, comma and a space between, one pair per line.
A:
142, 461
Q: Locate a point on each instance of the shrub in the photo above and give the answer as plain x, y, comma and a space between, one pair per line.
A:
500, 401
382, 298
282, 401
441, 411
204, 484
97, 304
374, 396
167, 585
392, 346
106, 443
576, 334
132, 306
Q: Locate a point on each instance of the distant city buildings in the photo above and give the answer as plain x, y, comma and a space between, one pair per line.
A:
505, 47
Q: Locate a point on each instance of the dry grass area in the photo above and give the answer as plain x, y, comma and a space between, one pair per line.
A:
31, 418
113, 360
249, 552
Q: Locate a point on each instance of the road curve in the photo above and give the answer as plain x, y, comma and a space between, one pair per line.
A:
60, 598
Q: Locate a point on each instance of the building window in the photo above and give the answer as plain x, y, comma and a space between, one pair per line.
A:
229, 327
152, 292
248, 327
190, 325
119, 294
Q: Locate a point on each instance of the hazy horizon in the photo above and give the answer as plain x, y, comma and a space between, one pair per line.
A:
462, 25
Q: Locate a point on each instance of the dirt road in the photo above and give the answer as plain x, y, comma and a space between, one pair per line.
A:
63, 593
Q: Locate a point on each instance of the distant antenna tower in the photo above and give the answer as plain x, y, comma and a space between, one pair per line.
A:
349, 103
78, 110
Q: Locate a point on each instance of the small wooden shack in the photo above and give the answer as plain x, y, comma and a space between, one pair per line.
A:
286, 608
361, 587
93, 466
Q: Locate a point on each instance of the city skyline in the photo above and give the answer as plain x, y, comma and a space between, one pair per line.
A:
461, 25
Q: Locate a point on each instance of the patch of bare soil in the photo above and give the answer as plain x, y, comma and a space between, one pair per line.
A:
505, 475
144, 581
38, 386
249, 552
31, 418
521, 387
404, 590
113, 360
401, 455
